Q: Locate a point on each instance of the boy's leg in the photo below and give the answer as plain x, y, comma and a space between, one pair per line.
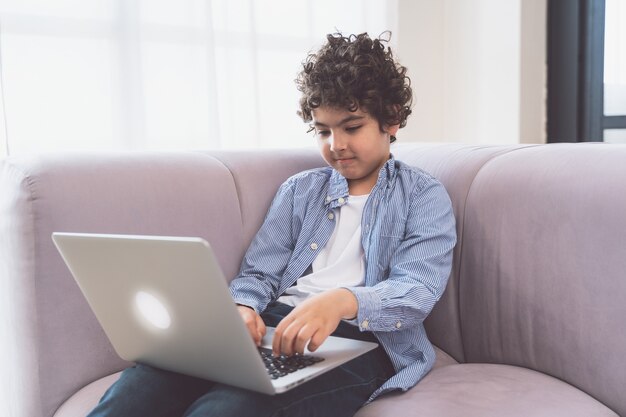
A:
146, 391
340, 392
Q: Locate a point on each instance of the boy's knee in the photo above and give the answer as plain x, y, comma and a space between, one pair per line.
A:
227, 401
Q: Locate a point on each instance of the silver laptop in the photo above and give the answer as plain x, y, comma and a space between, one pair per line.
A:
164, 301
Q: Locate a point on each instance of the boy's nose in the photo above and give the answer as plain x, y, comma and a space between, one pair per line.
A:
337, 143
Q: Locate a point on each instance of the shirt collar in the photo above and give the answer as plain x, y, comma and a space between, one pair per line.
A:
338, 186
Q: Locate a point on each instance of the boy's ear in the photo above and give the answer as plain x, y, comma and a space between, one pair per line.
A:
393, 130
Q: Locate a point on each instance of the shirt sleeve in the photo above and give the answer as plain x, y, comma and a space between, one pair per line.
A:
268, 255
419, 268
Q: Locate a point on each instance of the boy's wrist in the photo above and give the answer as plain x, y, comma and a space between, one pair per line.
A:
348, 303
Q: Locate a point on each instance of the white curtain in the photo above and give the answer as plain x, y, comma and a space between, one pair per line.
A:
163, 74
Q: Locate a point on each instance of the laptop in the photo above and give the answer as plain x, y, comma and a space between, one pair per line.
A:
164, 301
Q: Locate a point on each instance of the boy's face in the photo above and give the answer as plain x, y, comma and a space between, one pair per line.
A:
352, 143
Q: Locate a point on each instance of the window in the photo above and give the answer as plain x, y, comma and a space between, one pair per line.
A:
586, 71
615, 72
158, 74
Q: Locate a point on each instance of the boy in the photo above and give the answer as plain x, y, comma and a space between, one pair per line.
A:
360, 249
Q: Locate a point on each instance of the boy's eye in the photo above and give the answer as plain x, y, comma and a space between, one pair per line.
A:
323, 133
352, 128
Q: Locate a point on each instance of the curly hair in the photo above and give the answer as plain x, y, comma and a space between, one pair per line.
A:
355, 72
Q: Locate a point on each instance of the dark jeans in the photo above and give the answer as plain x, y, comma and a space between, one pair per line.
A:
146, 391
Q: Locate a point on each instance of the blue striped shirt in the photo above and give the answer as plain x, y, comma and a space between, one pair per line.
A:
407, 232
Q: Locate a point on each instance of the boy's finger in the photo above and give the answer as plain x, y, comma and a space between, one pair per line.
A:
278, 335
302, 338
261, 329
288, 339
253, 323
252, 329
316, 340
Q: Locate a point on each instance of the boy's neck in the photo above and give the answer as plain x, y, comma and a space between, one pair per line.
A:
363, 186
356, 187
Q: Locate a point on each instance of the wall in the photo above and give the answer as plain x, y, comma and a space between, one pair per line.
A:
477, 69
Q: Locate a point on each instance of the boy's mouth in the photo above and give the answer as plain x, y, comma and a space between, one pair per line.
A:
344, 160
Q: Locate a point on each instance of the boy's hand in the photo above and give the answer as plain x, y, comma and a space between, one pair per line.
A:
313, 321
253, 322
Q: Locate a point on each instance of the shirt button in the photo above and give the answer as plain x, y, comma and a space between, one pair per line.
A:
341, 200
314, 246
328, 199
365, 324
398, 325
331, 216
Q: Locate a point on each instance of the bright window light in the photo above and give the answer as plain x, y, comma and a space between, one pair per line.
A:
99, 75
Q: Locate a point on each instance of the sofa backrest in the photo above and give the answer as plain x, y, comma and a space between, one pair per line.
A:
257, 174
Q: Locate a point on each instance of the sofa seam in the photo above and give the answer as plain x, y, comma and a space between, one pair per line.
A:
232, 176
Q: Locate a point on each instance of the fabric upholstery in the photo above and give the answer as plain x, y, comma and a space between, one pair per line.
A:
256, 186
485, 390
19, 386
469, 390
81, 403
543, 265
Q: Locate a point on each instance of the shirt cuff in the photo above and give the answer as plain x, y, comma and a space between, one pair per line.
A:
248, 303
368, 312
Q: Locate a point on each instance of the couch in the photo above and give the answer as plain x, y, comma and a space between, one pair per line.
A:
532, 322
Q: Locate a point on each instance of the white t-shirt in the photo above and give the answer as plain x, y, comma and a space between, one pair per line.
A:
341, 263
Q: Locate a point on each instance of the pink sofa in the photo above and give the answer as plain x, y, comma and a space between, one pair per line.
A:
531, 324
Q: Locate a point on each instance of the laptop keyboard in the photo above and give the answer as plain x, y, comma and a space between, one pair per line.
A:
278, 366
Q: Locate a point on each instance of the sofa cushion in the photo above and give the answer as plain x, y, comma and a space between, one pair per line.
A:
86, 399
484, 390
449, 390
81, 403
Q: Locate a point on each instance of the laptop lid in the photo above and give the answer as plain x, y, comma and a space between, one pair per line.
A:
164, 301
